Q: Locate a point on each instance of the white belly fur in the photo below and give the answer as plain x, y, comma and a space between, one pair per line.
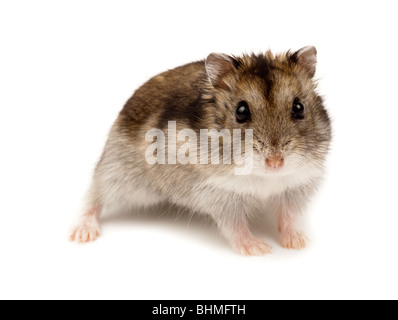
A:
264, 186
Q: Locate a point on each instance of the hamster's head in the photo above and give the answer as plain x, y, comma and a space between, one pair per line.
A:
276, 97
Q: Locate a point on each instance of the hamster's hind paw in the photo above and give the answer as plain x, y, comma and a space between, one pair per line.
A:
86, 231
252, 247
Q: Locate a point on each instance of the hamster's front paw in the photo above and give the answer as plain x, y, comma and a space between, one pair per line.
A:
252, 247
86, 230
294, 239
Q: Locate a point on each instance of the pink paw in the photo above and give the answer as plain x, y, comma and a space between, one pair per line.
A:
252, 247
294, 240
85, 232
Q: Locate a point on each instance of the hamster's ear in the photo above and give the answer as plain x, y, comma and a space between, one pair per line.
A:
306, 57
218, 66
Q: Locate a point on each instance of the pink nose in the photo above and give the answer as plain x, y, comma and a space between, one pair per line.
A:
274, 162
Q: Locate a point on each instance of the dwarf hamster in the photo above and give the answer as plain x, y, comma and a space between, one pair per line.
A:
158, 148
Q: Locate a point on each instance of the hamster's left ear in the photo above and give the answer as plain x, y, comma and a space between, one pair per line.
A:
218, 67
306, 58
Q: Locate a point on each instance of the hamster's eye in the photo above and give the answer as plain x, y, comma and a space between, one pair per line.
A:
242, 112
298, 110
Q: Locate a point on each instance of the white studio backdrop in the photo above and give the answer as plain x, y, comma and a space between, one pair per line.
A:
66, 69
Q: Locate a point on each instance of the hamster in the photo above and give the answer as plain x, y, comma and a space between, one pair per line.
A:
269, 98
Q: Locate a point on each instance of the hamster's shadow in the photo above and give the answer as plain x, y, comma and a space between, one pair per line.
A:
185, 222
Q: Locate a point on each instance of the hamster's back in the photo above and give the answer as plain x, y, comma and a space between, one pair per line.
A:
174, 94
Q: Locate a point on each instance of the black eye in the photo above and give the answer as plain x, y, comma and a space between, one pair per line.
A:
242, 112
298, 110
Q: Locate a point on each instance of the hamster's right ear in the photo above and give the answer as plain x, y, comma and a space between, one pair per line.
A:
218, 66
307, 58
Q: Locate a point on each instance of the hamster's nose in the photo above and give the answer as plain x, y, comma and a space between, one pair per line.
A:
275, 161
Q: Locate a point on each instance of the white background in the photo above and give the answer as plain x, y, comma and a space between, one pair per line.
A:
66, 69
